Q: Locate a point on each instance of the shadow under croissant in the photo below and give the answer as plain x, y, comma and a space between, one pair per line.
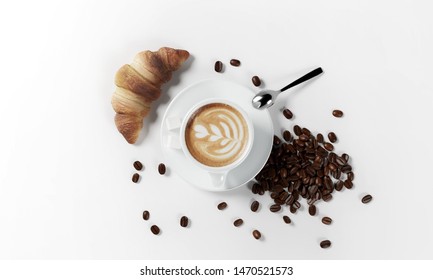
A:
165, 98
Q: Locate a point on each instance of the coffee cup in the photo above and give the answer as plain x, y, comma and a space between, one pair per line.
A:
216, 135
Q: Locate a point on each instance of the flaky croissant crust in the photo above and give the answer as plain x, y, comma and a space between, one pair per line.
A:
139, 84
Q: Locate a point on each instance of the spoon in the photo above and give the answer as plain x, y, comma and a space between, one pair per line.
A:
266, 98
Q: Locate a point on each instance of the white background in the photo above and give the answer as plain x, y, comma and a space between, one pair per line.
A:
65, 188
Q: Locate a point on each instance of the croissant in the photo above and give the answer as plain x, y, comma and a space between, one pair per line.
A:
139, 84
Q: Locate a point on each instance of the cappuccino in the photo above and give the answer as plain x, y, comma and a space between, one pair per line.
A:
216, 135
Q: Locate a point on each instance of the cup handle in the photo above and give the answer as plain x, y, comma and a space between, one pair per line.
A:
219, 179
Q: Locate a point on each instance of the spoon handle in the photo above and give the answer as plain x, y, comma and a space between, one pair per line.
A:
304, 78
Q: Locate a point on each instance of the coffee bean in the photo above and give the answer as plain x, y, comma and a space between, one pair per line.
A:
327, 197
146, 215
297, 130
277, 141
135, 177
326, 220
222, 206
348, 184
138, 165
235, 62
320, 138
312, 210
337, 113
238, 222
346, 168
367, 199
257, 234
286, 219
339, 185
218, 66
256, 81
297, 205
328, 146
288, 114
325, 244
332, 137
350, 176
306, 131
304, 137
345, 157
292, 209
340, 161
255, 205
275, 208
287, 136
184, 221
161, 168
155, 229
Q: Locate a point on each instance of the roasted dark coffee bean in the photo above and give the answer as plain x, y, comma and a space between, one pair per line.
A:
283, 196
255, 205
287, 219
312, 210
218, 66
222, 206
292, 209
184, 221
337, 113
287, 113
367, 199
327, 197
155, 229
283, 172
328, 146
339, 185
320, 138
257, 234
161, 168
346, 168
256, 81
135, 177
348, 184
138, 165
275, 208
297, 130
327, 182
238, 222
332, 137
311, 201
332, 167
287, 136
345, 157
340, 161
146, 215
326, 220
235, 62
296, 204
304, 137
306, 131
350, 176
277, 141
255, 188
325, 244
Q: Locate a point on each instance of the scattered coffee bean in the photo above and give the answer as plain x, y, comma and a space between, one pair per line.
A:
257, 234
348, 184
332, 137
161, 168
287, 113
328, 146
350, 176
337, 113
325, 244
235, 62
326, 220
218, 66
367, 199
275, 208
297, 130
238, 222
138, 165
184, 221
287, 219
287, 135
312, 210
255, 206
135, 177
155, 229
256, 81
146, 215
320, 138
345, 157
327, 197
339, 185
222, 206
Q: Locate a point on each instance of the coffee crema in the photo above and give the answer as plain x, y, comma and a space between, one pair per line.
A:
216, 134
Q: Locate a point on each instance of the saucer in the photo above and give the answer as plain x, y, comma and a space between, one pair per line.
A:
233, 92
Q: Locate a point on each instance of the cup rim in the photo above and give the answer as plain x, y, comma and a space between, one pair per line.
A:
217, 169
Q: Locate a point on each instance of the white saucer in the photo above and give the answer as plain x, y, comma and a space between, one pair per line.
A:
238, 94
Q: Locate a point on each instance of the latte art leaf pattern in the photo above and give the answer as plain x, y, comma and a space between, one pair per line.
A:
216, 134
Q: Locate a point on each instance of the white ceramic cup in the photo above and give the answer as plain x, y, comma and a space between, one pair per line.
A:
218, 174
